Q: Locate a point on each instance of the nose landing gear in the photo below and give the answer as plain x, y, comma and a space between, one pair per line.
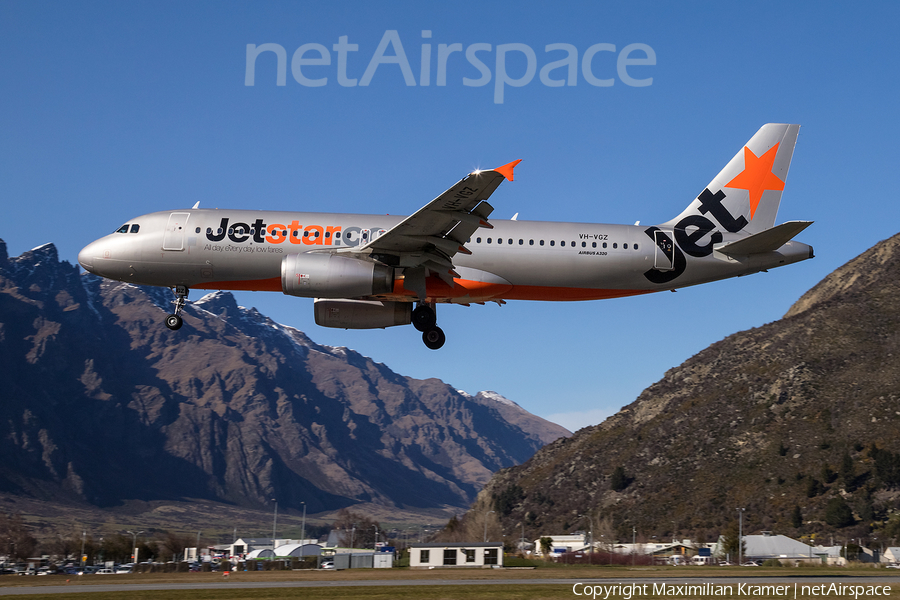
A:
425, 320
174, 321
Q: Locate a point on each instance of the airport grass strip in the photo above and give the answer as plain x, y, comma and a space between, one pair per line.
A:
424, 592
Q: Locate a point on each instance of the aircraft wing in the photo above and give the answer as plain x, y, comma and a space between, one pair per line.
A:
430, 237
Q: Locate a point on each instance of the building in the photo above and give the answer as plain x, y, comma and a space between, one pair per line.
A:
478, 555
681, 552
560, 544
768, 545
891, 555
242, 547
362, 559
771, 546
830, 555
298, 550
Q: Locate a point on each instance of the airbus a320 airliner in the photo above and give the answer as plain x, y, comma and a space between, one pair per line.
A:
367, 271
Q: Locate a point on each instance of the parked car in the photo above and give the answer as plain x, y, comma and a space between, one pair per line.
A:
327, 564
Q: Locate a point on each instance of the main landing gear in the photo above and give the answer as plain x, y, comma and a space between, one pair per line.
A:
174, 321
425, 320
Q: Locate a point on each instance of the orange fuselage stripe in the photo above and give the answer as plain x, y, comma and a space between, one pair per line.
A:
438, 290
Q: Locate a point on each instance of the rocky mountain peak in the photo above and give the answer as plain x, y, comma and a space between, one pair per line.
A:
222, 304
494, 396
782, 418
874, 267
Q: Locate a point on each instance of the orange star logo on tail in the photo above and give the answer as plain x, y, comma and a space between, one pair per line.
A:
757, 176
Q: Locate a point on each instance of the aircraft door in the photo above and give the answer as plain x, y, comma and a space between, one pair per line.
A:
174, 237
665, 251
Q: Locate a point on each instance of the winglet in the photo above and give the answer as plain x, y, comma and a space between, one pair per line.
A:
507, 169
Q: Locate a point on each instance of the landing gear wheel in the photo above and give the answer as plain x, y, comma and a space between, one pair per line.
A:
434, 337
174, 322
423, 317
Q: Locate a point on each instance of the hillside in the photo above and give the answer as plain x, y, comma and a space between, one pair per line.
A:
102, 404
801, 413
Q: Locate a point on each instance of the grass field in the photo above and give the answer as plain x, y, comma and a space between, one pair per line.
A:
215, 588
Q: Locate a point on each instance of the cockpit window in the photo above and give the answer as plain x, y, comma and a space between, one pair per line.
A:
135, 228
122, 229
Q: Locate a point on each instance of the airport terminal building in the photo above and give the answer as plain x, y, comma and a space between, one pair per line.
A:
481, 555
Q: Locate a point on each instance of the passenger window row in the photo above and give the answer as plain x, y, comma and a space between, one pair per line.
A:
562, 244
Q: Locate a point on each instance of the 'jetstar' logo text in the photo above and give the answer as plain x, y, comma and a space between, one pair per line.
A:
294, 233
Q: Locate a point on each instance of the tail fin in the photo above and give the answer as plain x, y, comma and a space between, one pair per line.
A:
745, 195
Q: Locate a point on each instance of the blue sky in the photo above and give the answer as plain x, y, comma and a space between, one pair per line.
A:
110, 110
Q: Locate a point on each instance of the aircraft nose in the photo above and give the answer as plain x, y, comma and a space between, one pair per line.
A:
86, 258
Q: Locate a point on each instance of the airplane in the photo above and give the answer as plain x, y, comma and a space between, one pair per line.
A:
367, 271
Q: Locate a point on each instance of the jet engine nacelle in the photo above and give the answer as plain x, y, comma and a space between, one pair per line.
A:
362, 314
318, 275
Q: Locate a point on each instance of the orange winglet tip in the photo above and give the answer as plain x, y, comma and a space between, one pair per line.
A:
507, 169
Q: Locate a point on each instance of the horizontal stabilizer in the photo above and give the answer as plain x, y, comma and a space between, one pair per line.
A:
765, 241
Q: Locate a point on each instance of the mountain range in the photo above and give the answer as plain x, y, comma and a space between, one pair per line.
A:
103, 404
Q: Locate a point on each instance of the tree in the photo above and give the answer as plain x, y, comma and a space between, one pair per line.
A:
814, 488
865, 506
546, 545
452, 525
118, 547
19, 539
847, 472
357, 529
619, 480
172, 546
887, 466
456, 530
891, 529
731, 542
796, 517
838, 513
506, 501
